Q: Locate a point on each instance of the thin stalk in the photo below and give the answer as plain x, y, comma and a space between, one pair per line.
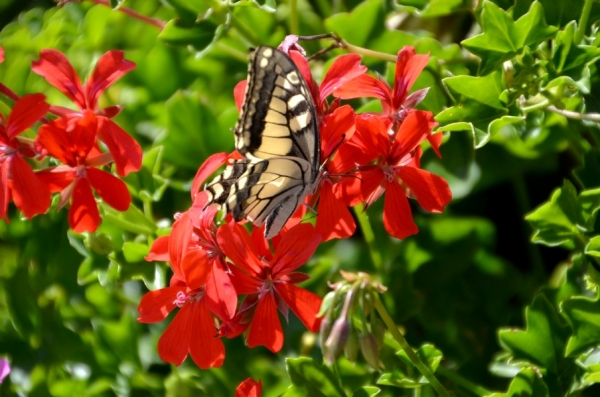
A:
367, 230
367, 52
425, 371
154, 22
583, 21
148, 210
8, 92
575, 115
294, 24
465, 383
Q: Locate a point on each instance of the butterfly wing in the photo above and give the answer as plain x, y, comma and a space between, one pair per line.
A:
278, 135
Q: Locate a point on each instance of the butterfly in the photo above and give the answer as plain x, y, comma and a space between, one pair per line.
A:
278, 135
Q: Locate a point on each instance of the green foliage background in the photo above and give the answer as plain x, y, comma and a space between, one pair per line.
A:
500, 310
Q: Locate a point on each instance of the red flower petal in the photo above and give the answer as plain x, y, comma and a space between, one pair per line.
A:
239, 92
173, 345
408, 67
413, 130
249, 388
220, 293
365, 86
4, 192
179, 241
83, 214
159, 250
112, 190
156, 305
431, 191
295, 249
29, 193
57, 178
302, 64
360, 187
235, 243
243, 283
266, 328
196, 268
1, 54
206, 349
397, 216
303, 303
125, 150
435, 140
56, 69
25, 113
260, 243
343, 69
210, 165
336, 128
372, 135
110, 67
334, 219
54, 139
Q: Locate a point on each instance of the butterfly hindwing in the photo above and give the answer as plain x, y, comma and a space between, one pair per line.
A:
277, 133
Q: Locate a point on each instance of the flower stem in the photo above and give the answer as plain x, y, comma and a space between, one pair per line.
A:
583, 21
425, 371
575, 115
366, 52
8, 92
367, 230
155, 22
459, 380
294, 26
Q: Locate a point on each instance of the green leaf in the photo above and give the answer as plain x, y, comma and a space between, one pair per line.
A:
543, 341
366, 391
583, 316
568, 57
200, 35
477, 106
554, 222
502, 38
437, 8
135, 252
593, 247
311, 379
527, 383
368, 16
428, 354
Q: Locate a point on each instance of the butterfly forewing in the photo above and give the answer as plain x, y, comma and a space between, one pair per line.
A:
278, 117
278, 135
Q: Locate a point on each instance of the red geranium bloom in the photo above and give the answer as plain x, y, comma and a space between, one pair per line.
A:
17, 179
1, 54
396, 170
396, 102
268, 282
71, 139
194, 262
57, 70
249, 388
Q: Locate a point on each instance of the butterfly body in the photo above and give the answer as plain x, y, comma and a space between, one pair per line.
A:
277, 133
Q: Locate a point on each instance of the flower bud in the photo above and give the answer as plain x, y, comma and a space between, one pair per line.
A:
336, 340
324, 331
352, 346
370, 350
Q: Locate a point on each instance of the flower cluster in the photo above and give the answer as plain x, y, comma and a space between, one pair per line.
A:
81, 144
365, 155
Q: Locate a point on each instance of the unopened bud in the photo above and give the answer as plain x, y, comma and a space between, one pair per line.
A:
352, 346
336, 340
370, 350
378, 331
324, 331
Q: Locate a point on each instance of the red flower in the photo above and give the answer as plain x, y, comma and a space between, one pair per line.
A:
195, 261
268, 282
396, 170
17, 180
1, 54
249, 388
71, 139
396, 102
57, 70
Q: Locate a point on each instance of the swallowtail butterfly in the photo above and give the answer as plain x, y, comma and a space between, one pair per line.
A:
278, 135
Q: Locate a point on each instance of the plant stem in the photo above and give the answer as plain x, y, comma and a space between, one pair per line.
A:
366, 52
575, 115
367, 230
8, 92
294, 26
155, 22
583, 21
437, 386
459, 380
